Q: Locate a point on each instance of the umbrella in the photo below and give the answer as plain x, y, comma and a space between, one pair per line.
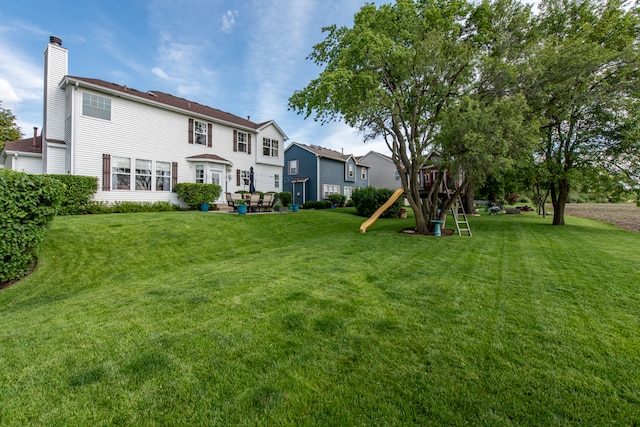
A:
252, 187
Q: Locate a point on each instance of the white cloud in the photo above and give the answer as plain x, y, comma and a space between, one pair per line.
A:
229, 21
160, 73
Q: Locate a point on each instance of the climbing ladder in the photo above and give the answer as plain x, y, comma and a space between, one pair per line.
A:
460, 217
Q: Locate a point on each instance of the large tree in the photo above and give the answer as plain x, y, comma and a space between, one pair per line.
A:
9, 130
585, 84
411, 72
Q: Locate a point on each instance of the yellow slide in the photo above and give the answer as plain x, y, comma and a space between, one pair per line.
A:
381, 209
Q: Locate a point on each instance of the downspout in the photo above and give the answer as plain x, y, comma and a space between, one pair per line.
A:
318, 190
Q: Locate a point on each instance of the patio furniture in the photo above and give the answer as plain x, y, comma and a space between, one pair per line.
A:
254, 202
231, 202
267, 202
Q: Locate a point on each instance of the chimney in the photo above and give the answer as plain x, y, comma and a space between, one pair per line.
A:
55, 69
55, 40
35, 137
249, 118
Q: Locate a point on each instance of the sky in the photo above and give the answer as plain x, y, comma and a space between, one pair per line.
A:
246, 57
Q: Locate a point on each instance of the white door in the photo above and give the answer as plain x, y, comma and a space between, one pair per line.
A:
216, 177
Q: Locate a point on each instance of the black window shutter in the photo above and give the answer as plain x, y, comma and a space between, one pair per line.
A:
190, 131
174, 175
248, 143
106, 172
209, 136
235, 141
238, 177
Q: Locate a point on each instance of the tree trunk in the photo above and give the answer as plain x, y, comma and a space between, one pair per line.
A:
468, 198
559, 197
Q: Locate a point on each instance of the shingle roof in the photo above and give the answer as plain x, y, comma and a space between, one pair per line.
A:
329, 153
171, 101
25, 145
208, 157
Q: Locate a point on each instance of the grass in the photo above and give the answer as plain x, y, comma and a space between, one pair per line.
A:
188, 318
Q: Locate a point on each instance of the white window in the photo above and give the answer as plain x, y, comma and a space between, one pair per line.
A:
276, 182
363, 173
350, 168
120, 173
242, 142
199, 132
270, 147
96, 106
328, 189
245, 176
293, 167
143, 174
200, 174
163, 176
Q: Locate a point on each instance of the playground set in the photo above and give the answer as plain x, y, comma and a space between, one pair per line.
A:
427, 179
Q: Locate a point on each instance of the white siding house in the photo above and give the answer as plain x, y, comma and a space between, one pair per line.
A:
140, 144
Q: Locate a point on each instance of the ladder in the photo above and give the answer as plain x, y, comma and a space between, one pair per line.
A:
460, 217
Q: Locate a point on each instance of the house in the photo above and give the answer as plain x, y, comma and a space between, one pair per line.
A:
140, 144
382, 171
314, 173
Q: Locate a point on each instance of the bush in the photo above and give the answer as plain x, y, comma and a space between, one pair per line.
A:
367, 200
337, 200
321, 204
194, 194
285, 198
309, 204
28, 204
513, 198
128, 207
78, 193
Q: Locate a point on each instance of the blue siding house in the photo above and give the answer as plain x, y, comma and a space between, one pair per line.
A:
313, 173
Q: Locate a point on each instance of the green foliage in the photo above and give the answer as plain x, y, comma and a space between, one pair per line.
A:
9, 130
97, 207
194, 194
309, 204
338, 200
285, 197
78, 193
28, 203
367, 200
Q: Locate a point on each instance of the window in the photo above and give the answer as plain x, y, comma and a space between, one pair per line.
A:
350, 172
245, 175
328, 189
163, 176
120, 173
276, 182
200, 174
363, 173
200, 132
270, 147
242, 142
96, 106
397, 175
293, 167
143, 175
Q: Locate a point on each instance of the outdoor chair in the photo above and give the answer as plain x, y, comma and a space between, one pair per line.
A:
231, 202
267, 202
254, 202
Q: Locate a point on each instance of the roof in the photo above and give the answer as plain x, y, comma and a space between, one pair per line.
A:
158, 97
327, 153
25, 145
375, 153
210, 157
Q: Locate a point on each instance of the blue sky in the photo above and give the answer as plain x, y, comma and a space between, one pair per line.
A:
245, 56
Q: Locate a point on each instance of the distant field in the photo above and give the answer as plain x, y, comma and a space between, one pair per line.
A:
623, 215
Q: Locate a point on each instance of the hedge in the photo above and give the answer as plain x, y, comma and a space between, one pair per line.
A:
28, 203
194, 194
78, 194
367, 200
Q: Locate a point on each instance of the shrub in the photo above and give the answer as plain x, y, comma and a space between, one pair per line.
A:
321, 204
194, 194
285, 197
338, 200
309, 204
513, 198
367, 200
28, 203
128, 207
78, 193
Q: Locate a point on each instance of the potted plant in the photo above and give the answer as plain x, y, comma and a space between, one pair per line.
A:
242, 206
278, 206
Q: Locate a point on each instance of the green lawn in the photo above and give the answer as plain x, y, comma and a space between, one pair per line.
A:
191, 318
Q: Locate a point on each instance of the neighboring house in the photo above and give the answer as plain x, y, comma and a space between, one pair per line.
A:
313, 173
382, 171
140, 144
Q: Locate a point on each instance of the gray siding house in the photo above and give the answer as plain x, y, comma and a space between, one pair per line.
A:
313, 173
382, 171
